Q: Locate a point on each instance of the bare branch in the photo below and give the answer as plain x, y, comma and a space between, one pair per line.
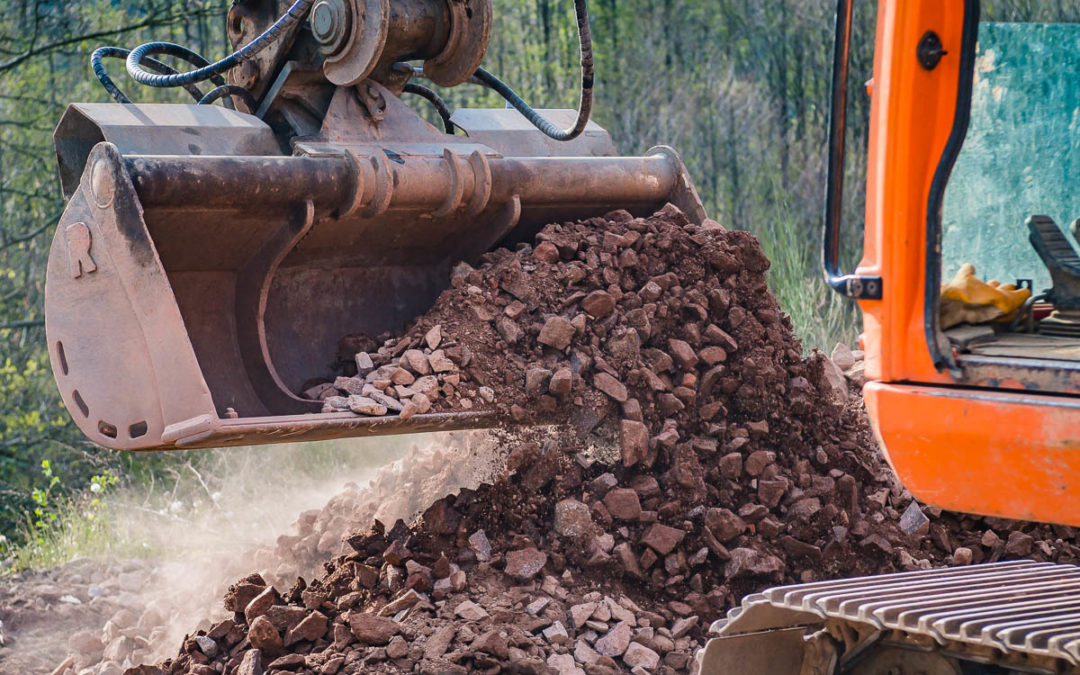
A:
53, 46
29, 235
25, 323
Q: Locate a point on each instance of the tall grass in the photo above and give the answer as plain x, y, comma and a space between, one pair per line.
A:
821, 317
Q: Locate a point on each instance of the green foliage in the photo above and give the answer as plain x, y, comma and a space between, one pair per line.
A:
821, 318
62, 523
44, 65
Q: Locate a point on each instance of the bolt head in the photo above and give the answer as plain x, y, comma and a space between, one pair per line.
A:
329, 22
322, 20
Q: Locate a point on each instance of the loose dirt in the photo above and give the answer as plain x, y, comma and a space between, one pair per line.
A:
699, 458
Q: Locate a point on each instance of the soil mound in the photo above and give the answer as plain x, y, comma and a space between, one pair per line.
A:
701, 458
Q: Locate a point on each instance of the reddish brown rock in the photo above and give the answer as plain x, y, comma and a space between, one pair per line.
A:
724, 524
611, 386
623, 504
311, 628
663, 539
562, 381
749, 562
683, 354
370, 629
633, 442
525, 564
572, 520
598, 303
1019, 544
557, 332
264, 636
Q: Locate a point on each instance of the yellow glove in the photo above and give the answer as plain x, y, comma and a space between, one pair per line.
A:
966, 299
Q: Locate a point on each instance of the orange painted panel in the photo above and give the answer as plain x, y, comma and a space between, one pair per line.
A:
911, 117
1006, 454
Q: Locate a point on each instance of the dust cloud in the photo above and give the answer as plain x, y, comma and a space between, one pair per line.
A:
253, 524
281, 511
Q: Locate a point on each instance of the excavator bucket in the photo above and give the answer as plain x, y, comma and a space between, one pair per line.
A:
199, 275
209, 260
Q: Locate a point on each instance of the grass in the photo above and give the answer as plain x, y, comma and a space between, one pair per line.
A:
821, 317
79, 530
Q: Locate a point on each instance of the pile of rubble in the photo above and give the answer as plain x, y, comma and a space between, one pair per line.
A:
732, 463
398, 380
117, 613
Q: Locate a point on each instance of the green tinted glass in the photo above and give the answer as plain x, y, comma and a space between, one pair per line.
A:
1022, 152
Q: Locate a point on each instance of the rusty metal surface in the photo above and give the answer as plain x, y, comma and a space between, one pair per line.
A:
155, 128
1042, 375
246, 21
416, 183
208, 432
363, 44
1022, 614
507, 132
120, 354
465, 46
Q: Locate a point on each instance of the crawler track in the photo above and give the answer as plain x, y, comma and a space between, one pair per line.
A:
1018, 616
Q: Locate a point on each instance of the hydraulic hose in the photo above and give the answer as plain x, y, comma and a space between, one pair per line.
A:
295, 14
102, 53
435, 100
586, 100
231, 90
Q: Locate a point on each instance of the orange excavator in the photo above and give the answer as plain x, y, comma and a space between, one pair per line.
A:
197, 273
972, 386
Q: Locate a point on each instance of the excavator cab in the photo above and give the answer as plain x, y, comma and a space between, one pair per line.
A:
211, 255
970, 277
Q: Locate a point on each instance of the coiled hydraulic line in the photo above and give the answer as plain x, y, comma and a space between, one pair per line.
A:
271, 35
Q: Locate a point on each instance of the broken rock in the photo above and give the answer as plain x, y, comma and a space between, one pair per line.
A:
663, 539
525, 564
749, 562
615, 642
370, 629
557, 333
640, 656
572, 520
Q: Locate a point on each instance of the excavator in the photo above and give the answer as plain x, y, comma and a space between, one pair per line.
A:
211, 254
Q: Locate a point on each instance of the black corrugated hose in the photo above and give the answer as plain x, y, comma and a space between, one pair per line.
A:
295, 14
138, 60
436, 100
585, 103
102, 53
167, 77
230, 90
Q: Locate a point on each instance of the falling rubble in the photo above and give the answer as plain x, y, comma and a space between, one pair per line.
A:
706, 459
